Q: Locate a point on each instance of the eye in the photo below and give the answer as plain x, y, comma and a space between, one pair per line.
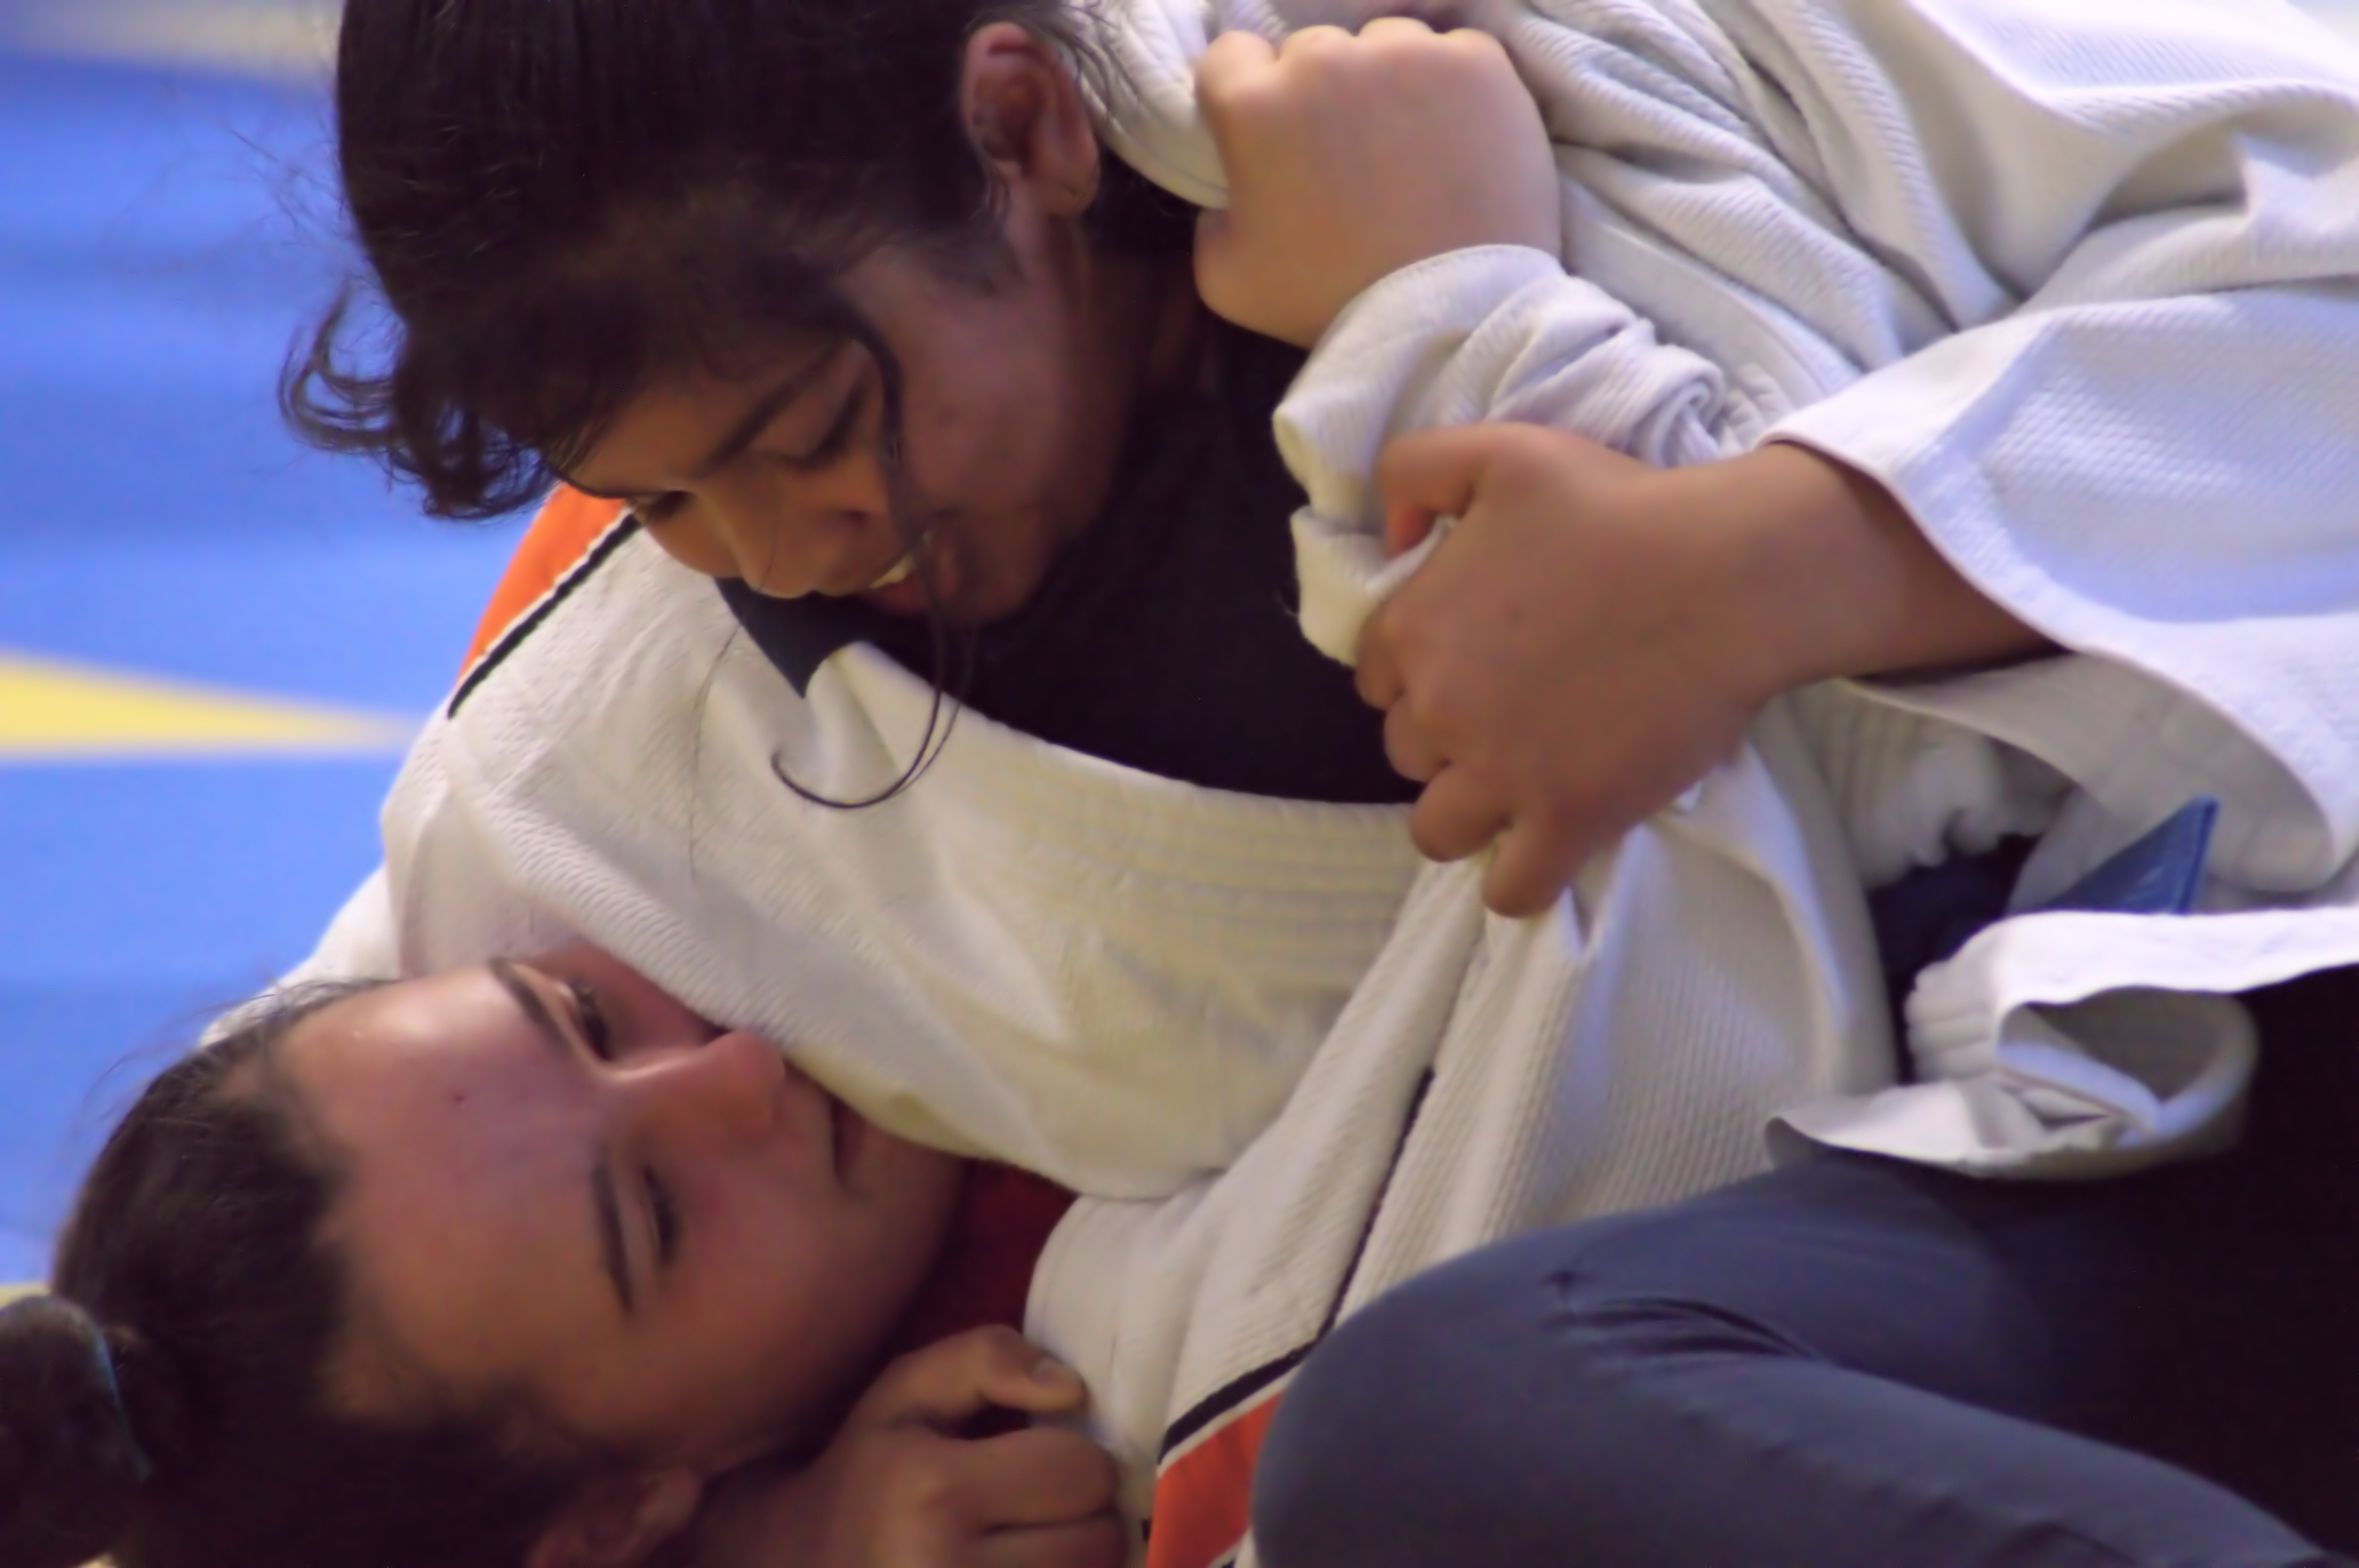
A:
666, 1217
590, 1019
832, 445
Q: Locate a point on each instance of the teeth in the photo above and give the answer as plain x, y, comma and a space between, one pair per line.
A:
895, 572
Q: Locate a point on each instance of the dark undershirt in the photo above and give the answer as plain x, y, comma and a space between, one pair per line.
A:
983, 1272
1165, 637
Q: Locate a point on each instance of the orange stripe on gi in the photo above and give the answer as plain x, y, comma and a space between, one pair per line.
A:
1203, 1500
569, 524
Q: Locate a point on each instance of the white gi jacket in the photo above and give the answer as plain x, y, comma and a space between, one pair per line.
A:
2036, 266
2074, 280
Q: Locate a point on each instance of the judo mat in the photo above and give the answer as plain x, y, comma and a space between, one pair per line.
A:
213, 645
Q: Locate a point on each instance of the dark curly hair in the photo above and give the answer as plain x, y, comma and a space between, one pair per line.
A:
563, 200
165, 1406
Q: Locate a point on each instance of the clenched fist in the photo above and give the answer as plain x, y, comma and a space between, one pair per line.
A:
1352, 156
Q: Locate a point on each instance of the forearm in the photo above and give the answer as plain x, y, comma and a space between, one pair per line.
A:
1843, 583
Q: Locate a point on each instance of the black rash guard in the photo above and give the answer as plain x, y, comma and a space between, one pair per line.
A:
1165, 637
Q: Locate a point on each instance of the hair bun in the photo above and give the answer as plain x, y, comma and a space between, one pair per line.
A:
71, 1468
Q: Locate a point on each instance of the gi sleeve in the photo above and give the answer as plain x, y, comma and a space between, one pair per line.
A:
2095, 301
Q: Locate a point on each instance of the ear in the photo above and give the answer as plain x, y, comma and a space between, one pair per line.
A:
620, 1523
1026, 113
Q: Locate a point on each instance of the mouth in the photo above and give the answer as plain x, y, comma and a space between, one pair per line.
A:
898, 572
906, 594
902, 569
923, 574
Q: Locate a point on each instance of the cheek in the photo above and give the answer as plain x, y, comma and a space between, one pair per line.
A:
945, 444
795, 1284
992, 480
687, 540
767, 1326
987, 412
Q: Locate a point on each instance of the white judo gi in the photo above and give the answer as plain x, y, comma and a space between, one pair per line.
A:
2049, 270
2079, 282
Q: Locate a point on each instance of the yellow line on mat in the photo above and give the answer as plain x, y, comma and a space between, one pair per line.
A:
271, 36
51, 710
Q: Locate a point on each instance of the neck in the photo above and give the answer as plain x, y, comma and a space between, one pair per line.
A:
1146, 330
1174, 328
1142, 333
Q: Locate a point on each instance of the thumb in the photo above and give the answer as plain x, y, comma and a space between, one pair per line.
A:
1532, 868
1227, 70
953, 1381
1429, 474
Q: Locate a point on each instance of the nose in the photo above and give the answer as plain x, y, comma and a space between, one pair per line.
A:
726, 1091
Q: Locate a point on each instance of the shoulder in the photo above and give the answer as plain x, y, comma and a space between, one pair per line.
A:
572, 536
592, 621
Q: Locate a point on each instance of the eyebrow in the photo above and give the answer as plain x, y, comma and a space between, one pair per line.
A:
534, 1006
602, 1201
741, 435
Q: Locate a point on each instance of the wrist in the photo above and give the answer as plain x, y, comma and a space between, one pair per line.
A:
1445, 295
1841, 582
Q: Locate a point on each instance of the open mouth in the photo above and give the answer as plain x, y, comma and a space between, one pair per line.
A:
900, 571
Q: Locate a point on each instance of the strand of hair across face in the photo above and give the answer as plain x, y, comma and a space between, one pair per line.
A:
918, 543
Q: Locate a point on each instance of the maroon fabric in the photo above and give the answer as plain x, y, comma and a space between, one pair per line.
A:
985, 1269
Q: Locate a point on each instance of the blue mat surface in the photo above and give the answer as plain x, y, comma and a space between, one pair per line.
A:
164, 235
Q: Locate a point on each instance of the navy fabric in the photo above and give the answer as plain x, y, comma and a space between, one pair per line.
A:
1164, 639
1854, 1361
1933, 912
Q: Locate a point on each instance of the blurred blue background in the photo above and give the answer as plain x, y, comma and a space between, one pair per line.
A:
167, 229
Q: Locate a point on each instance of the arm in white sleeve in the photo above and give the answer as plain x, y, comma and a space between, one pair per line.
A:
2140, 441
2115, 290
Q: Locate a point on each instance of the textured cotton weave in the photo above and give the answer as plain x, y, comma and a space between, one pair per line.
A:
1110, 978
2074, 279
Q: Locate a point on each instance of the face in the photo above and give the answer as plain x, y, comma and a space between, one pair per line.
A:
563, 1184
1010, 434
1017, 394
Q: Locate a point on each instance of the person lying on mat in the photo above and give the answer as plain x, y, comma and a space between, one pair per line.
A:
527, 1263
505, 1267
